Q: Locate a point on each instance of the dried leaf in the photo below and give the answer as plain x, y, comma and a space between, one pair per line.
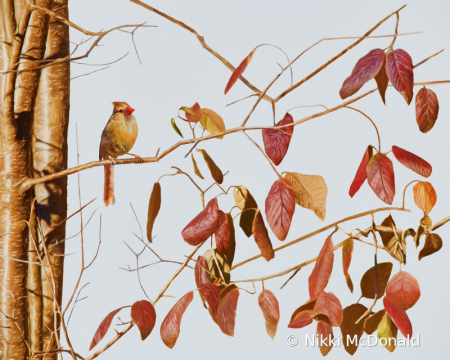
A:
144, 316
271, 311
246, 221
328, 304
399, 69
425, 196
224, 234
349, 329
382, 81
325, 337
323, 267
396, 247
427, 109
216, 173
398, 316
226, 313
196, 169
175, 127
170, 327
365, 69
261, 237
412, 161
153, 208
280, 207
244, 201
193, 113
433, 243
239, 71
372, 322
214, 259
423, 229
347, 251
388, 331
368, 280
203, 225
212, 122
404, 289
276, 141
380, 175
361, 174
302, 318
310, 192
103, 328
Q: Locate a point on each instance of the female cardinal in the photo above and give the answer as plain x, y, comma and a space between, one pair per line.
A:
118, 138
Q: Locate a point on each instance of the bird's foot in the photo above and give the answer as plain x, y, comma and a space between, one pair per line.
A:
138, 158
113, 160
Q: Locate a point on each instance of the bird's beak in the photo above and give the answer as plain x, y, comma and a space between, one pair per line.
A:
129, 111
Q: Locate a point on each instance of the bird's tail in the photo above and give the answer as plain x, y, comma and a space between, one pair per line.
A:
108, 190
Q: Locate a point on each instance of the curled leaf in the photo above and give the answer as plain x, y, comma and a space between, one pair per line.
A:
170, 327
347, 251
388, 331
323, 267
328, 304
218, 266
245, 201
398, 316
224, 235
404, 289
427, 109
382, 81
103, 328
203, 225
368, 283
325, 336
196, 169
216, 173
193, 113
271, 311
412, 161
380, 175
423, 229
175, 127
261, 236
433, 243
154, 205
302, 318
371, 323
395, 246
239, 71
361, 174
424, 196
226, 313
212, 122
144, 316
276, 141
399, 69
349, 329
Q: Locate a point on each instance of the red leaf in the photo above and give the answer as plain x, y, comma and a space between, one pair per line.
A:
361, 175
239, 71
365, 69
198, 113
103, 328
276, 141
412, 161
321, 273
201, 276
144, 316
347, 251
280, 207
399, 69
398, 315
271, 311
203, 225
404, 289
261, 237
427, 109
302, 319
226, 313
211, 294
329, 305
325, 336
224, 235
380, 176
170, 328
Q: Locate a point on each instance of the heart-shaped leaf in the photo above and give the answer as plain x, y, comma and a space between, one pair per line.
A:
226, 313
103, 328
425, 196
224, 235
412, 161
398, 316
271, 311
321, 273
380, 175
239, 71
153, 209
328, 304
349, 329
388, 331
261, 237
361, 174
404, 289
368, 280
280, 207
216, 173
433, 243
427, 109
144, 316
276, 141
399, 69
325, 336
347, 251
212, 122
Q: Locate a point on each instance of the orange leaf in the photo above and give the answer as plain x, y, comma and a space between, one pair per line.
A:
193, 114
433, 243
226, 313
349, 329
427, 109
398, 315
203, 225
368, 280
144, 316
329, 305
302, 318
412, 161
261, 237
271, 311
382, 81
425, 196
276, 141
239, 71
170, 327
103, 328
361, 174
280, 207
325, 336
321, 273
347, 251
404, 289
399, 69
153, 208
380, 176
224, 235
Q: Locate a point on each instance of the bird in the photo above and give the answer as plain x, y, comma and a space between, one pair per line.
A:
118, 137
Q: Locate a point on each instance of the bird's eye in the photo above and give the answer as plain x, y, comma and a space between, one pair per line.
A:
120, 110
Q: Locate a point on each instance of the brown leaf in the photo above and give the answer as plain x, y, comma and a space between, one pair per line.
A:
382, 81
365, 69
361, 174
310, 192
347, 251
271, 311
433, 243
427, 109
372, 322
325, 336
398, 316
276, 141
388, 331
380, 176
244, 201
103, 328
328, 304
214, 259
349, 329
412, 161
396, 247
153, 208
226, 313
246, 221
224, 235
193, 113
399, 69
425, 196
239, 71
203, 225
144, 316
368, 280
212, 122
170, 327
196, 169
423, 229
280, 207
216, 173
404, 289
323, 267
261, 237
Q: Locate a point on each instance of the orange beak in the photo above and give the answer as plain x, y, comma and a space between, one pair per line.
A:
129, 111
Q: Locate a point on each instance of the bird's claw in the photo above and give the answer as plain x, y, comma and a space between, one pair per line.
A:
113, 160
